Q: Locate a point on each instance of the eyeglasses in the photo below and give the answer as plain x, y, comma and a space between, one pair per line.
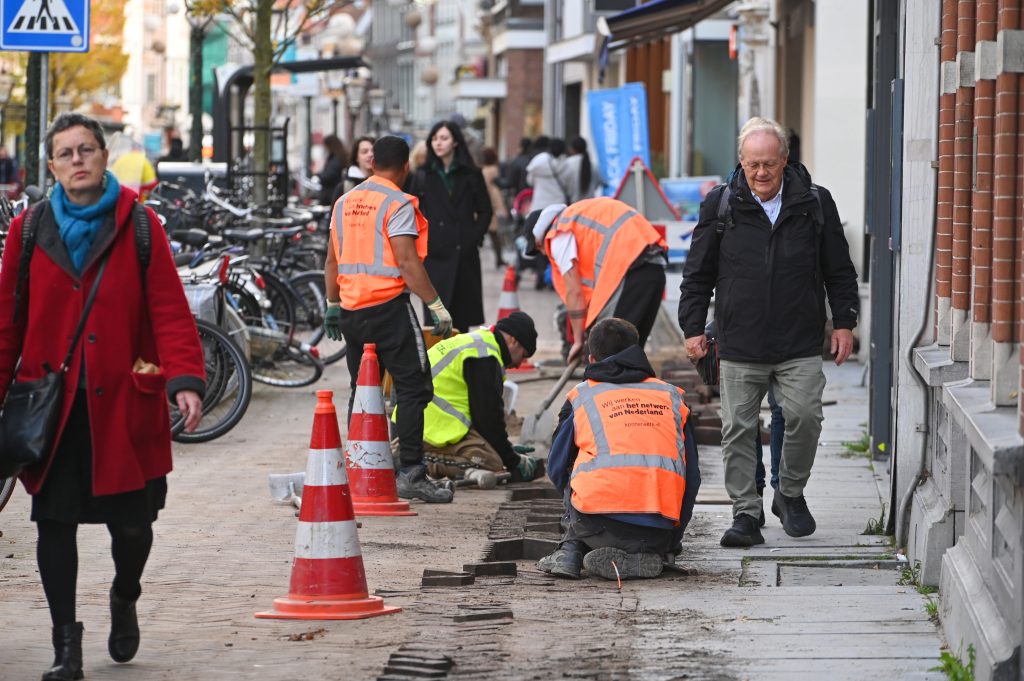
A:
757, 167
85, 152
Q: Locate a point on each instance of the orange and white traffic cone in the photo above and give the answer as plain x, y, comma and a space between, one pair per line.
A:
328, 579
368, 452
509, 300
507, 304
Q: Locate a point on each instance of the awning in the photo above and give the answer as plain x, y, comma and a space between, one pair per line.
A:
658, 19
481, 88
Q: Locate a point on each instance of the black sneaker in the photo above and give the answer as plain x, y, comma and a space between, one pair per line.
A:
412, 483
744, 532
797, 520
562, 563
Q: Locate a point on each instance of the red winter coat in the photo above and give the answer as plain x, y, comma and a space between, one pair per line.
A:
128, 412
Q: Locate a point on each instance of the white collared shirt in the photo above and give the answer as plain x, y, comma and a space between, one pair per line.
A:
772, 206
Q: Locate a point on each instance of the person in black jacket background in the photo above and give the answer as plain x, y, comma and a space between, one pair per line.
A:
772, 250
453, 197
330, 174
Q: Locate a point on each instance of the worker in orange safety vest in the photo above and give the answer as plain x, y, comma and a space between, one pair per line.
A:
625, 460
607, 260
378, 242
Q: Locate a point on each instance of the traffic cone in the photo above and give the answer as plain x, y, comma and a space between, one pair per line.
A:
509, 300
368, 452
328, 579
507, 304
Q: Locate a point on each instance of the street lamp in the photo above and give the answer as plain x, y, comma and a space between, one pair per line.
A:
376, 98
355, 90
334, 84
395, 118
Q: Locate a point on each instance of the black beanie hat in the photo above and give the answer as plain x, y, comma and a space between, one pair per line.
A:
520, 326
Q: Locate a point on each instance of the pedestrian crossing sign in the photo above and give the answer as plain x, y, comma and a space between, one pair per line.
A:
44, 25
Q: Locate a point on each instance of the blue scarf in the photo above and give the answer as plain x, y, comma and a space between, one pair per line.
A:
79, 225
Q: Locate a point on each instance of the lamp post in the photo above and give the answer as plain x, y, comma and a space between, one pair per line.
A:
395, 118
355, 90
334, 84
376, 99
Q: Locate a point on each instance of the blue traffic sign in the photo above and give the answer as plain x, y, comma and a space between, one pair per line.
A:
44, 25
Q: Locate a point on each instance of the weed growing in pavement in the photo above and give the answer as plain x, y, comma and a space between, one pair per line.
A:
909, 574
860, 446
953, 667
876, 526
932, 608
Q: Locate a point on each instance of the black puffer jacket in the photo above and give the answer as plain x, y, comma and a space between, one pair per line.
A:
769, 292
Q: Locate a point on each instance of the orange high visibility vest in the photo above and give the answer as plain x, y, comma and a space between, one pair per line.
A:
368, 273
632, 457
610, 236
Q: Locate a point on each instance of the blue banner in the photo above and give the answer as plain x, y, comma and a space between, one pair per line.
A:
618, 129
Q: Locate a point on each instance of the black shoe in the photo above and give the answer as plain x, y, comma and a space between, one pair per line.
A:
124, 629
67, 654
599, 562
412, 483
760, 518
562, 563
744, 532
797, 520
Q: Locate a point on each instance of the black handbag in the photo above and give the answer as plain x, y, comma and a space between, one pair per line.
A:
707, 366
31, 410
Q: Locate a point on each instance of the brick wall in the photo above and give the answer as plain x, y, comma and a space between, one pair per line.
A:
521, 109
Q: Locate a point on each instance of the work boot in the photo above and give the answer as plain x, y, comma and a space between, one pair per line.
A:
744, 532
124, 629
797, 520
760, 518
412, 483
604, 561
67, 654
562, 563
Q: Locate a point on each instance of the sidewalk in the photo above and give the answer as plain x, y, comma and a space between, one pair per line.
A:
223, 551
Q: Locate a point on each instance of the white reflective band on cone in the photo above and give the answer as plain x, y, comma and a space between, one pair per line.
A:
325, 467
369, 400
327, 540
370, 454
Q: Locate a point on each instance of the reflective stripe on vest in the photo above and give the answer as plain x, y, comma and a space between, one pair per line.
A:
377, 268
613, 473
607, 231
447, 418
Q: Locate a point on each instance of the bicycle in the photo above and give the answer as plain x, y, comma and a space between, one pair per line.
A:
7, 486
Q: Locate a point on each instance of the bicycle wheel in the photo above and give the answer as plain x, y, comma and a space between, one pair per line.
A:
283, 302
310, 324
291, 366
6, 490
228, 388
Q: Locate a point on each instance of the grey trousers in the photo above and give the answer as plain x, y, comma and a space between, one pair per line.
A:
798, 385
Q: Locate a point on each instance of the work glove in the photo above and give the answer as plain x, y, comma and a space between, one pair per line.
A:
527, 468
332, 322
523, 449
442, 320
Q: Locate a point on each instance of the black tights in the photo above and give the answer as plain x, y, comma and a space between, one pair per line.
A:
57, 555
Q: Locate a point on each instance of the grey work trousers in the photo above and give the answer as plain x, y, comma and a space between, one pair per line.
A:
798, 385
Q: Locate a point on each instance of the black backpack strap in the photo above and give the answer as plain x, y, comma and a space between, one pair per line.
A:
143, 237
724, 211
28, 245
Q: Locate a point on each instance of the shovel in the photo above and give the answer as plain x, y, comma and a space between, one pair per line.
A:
287, 488
538, 427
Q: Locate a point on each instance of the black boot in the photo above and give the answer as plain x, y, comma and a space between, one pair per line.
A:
124, 629
67, 654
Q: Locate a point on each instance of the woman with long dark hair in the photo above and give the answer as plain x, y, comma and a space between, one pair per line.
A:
580, 178
454, 199
334, 166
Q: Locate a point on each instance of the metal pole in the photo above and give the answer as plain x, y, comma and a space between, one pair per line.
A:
334, 116
309, 135
44, 105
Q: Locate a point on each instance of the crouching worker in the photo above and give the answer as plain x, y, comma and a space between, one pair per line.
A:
625, 462
464, 424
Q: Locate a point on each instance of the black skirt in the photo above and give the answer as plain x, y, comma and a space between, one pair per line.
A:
66, 495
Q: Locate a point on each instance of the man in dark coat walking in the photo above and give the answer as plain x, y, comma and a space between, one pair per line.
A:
770, 244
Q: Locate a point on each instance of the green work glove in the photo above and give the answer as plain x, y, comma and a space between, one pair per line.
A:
527, 468
442, 320
523, 449
332, 322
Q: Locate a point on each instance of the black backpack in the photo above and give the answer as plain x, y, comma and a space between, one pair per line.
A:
143, 245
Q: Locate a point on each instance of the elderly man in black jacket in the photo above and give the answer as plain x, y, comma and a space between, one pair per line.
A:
771, 246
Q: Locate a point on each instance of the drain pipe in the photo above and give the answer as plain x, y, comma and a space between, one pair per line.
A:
902, 525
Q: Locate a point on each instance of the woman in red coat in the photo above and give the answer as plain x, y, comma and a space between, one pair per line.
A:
139, 345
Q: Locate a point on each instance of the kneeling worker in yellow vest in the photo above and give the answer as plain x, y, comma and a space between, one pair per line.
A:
378, 242
607, 260
464, 424
625, 461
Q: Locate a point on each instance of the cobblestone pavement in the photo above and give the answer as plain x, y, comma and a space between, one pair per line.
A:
223, 551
